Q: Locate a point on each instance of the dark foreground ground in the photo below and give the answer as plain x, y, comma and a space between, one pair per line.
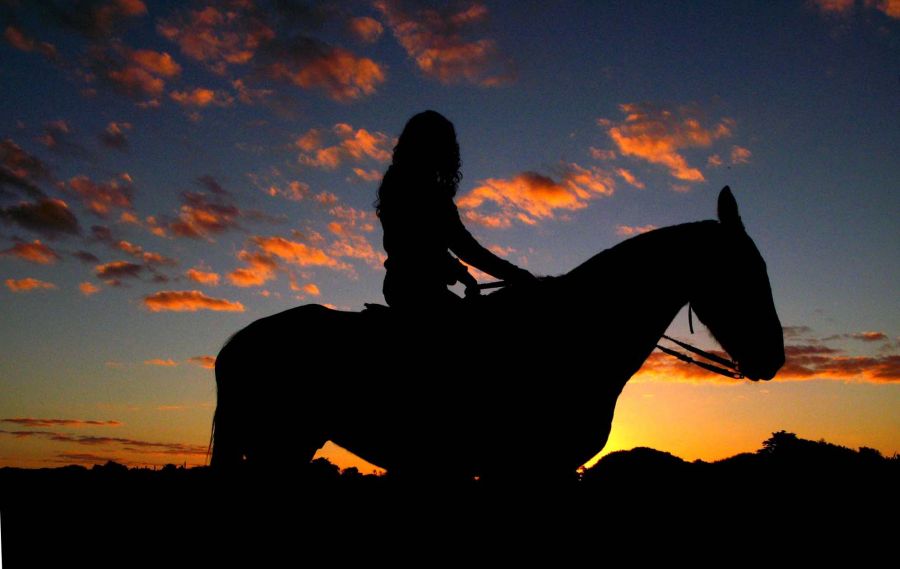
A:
792, 500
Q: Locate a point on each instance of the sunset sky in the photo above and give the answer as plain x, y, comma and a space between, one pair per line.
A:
171, 171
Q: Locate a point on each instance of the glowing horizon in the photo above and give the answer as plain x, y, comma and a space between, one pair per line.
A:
170, 173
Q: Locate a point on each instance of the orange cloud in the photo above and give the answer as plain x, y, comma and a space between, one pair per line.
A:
350, 225
100, 199
35, 252
600, 154
22, 42
115, 270
136, 81
203, 277
367, 175
206, 362
188, 301
201, 98
311, 289
88, 289
114, 135
530, 197
294, 191
28, 284
435, 40
740, 155
632, 230
629, 178
297, 253
834, 6
343, 75
216, 37
76, 423
161, 362
355, 145
159, 63
260, 269
365, 29
658, 135
201, 216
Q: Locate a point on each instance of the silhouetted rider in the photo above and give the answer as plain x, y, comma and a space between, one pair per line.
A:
422, 225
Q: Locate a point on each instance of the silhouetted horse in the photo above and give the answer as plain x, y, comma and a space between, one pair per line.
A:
525, 383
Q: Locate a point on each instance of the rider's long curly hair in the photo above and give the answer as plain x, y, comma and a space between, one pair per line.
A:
426, 159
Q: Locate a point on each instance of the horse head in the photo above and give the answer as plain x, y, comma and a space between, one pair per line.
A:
733, 298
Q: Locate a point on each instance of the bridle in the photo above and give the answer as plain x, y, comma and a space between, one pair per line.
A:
725, 366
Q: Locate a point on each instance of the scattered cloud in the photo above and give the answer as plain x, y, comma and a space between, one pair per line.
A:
294, 190
34, 252
20, 172
28, 284
629, 178
113, 272
296, 253
600, 154
212, 185
21, 41
86, 257
88, 288
834, 6
201, 276
439, 42
531, 197
367, 175
101, 198
161, 362
353, 145
48, 217
75, 423
632, 230
869, 336
740, 155
795, 331
659, 135
148, 257
134, 445
114, 135
188, 301
311, 64
217, 37
206, 362
94, 19
714, 161
203, 216
365, 29
259, 269
201, 97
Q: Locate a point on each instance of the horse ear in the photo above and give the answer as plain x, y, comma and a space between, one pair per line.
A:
728, 209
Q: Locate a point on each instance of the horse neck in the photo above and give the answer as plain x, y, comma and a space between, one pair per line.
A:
637, 288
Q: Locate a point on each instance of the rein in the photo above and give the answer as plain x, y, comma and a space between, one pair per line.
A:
725, 367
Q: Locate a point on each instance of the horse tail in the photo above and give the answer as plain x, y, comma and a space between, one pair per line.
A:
226, 441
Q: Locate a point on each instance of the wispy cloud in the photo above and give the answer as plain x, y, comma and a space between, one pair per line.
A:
201, 276
632, 230
206, 362
659, 136
113, 136
188, 301
353, 145
102, 198
34, 252
531, 197
21, 41
441, 43
159, 362
88, 288
75, 423
28, 284
365, 29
